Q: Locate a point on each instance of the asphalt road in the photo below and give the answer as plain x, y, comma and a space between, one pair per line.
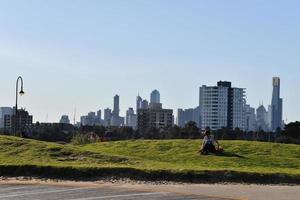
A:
58, 192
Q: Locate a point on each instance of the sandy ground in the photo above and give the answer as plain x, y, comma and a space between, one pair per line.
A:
232, 191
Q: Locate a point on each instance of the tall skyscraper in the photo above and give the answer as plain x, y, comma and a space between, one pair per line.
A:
262, 118
276, 105
138, 103
116, 120
116, 110
155, 96
222, 106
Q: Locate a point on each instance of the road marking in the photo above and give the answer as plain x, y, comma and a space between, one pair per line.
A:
43, 192
122, 195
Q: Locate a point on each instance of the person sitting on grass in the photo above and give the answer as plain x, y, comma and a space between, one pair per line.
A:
210, 144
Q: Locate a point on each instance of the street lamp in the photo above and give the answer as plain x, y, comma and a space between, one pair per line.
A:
21, 92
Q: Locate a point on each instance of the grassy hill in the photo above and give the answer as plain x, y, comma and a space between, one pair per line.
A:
177, 160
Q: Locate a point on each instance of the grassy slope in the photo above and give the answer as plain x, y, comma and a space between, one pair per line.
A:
171, 155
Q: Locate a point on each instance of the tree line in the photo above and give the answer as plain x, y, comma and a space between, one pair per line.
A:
66, 132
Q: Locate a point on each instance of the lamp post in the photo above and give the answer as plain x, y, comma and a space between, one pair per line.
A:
16, 108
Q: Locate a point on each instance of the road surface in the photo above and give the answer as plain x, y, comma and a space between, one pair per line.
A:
90, 192
68, 190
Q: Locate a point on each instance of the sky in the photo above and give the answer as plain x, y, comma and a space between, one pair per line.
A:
80, 53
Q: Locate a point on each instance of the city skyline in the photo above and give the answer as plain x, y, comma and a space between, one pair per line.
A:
119, 112
73, 54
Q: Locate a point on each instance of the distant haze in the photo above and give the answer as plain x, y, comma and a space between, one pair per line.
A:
80, 54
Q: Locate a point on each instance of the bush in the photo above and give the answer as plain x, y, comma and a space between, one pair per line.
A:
80, 139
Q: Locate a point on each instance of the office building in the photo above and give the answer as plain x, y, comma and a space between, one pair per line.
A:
276, 106
4, 111
186, 115
99, 115
116, 120
250, 118
116, 110
222, 106
145, 104
138, 103
20, 123
130, 111
107, 116
131, 118
92, 119
262, 118
153, 116
155, 96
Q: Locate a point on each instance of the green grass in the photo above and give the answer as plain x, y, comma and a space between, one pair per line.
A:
169, 159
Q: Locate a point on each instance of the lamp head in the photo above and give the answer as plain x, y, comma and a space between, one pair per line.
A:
21, 92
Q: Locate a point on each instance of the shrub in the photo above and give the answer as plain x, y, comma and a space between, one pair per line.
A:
80, 139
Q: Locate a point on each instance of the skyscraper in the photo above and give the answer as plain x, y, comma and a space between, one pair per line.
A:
116, 110
222, 106
107, 116
145, 104
131, 118
116, 120
276, 105
128, 112
250, 118
138, 103
99, 117
155, 96
262, 118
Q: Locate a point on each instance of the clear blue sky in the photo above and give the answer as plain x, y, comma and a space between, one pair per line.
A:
75, 53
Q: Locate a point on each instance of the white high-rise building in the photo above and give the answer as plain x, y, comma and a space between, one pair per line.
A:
222, 106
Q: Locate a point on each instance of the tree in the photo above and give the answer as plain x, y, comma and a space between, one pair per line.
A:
292, 129
191, 130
